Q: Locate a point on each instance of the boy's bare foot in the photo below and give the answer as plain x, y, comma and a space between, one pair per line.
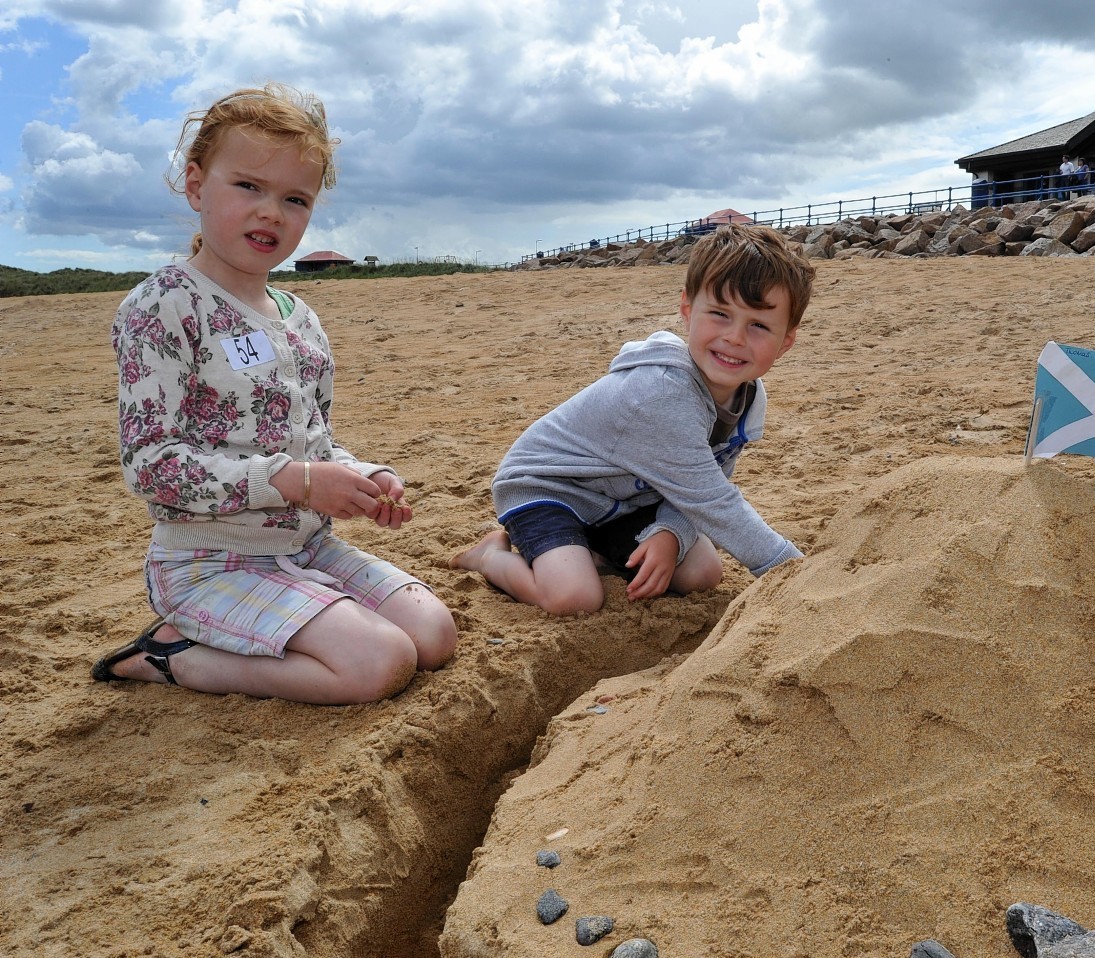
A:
472, 559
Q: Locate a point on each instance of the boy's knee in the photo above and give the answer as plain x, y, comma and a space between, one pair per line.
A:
699, 572
709, 575
578, 597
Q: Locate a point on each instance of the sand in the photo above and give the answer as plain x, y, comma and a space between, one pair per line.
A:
890, 740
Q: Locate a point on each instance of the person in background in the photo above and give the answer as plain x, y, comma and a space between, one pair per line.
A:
1082, 175
1065, 179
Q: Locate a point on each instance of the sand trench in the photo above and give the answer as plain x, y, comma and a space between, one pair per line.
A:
140, 820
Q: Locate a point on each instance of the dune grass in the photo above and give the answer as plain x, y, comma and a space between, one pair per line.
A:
23, 282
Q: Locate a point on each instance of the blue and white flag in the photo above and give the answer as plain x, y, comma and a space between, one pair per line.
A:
1064, 403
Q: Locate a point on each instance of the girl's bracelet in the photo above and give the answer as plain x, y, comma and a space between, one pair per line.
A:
306, 501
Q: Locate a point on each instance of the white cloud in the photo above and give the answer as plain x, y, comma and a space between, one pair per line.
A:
485, 124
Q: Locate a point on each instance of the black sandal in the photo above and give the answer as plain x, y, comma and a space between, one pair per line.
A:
156, 654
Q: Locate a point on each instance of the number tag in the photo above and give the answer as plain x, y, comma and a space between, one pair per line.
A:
243, 352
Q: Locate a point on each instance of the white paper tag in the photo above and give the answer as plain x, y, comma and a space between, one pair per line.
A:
254, 349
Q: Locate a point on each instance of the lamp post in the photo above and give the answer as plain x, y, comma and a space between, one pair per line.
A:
537, 250
416, 254
477, 252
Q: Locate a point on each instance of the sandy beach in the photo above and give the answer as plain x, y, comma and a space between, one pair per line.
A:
890, 740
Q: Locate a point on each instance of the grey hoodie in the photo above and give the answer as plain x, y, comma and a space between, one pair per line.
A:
640, 435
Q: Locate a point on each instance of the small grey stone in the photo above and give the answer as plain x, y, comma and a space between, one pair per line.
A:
635, 948
929, 948
1034, 929
551, 907
548, 859
598, 709
1077, 946
592, 929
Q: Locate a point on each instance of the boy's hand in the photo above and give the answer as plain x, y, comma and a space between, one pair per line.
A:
657, 561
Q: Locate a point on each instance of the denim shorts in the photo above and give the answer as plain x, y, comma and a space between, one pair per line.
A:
539, 529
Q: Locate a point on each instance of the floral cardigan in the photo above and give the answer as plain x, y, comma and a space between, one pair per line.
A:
214, 399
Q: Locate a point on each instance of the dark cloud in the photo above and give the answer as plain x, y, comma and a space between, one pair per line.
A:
498, 107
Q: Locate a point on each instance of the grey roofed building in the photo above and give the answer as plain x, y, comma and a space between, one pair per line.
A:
1035, 155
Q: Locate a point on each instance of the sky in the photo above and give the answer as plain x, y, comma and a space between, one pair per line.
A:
485, 129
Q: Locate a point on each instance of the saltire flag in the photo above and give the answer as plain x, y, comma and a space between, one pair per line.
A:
1063, 420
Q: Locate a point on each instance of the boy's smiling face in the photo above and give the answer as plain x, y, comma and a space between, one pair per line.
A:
731, 342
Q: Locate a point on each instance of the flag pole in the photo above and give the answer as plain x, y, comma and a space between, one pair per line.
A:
1032, 434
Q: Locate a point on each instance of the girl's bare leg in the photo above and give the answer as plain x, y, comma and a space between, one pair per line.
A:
562, 581
344, 655
426, 620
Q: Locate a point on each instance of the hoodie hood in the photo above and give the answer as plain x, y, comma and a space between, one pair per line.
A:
664, 348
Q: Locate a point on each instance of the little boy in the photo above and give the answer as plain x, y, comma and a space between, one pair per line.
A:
632, 471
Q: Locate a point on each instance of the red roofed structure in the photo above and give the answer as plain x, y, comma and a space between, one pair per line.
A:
721, 217
713, 221
320, 260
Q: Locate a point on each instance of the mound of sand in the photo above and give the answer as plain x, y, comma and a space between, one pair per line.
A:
892, 740
878, 707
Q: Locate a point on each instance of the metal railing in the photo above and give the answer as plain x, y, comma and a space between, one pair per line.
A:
1044, 188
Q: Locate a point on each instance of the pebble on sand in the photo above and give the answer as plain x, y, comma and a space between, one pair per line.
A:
593, 929
929, 948
635, 948
548, 859
551, 906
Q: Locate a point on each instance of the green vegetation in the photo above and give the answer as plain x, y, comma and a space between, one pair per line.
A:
23, 282
379, 272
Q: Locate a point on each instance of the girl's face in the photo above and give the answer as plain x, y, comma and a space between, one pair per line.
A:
255, 198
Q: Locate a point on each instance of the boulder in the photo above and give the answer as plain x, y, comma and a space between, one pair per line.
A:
1033, 228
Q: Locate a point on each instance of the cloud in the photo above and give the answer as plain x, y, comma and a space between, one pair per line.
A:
458, 115
78, 186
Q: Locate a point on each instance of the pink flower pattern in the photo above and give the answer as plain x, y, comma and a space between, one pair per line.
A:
185, 444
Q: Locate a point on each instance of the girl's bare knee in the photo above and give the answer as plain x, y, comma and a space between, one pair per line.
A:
426, 620
435, 638
396, 677
386, 671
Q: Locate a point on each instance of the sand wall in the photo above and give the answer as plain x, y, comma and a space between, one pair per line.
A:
140, 817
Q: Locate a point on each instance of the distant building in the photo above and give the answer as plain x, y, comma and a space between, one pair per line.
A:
713, 221
321, 260
1033, 159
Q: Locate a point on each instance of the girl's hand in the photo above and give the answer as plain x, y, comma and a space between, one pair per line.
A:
340, 491
392, 511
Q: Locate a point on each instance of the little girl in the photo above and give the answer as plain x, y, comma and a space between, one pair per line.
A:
225, 390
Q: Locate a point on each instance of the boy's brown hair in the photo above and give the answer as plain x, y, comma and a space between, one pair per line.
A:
750, 261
